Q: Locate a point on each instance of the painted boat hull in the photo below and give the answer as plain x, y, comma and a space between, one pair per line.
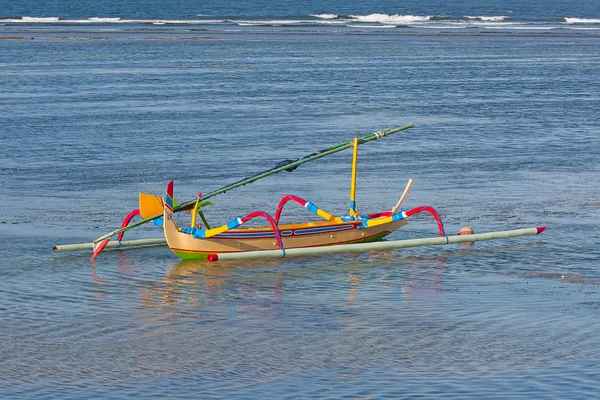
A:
310, 234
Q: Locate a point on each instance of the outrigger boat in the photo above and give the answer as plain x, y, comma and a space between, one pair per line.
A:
355, 231
198, 241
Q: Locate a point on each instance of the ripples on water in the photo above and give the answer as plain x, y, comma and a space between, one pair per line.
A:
505, 138
469, 321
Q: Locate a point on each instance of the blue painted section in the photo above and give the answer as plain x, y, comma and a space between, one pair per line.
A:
233, 224
198, 233
169, 201
311, 207
323, 230
158, 222
195, 232
397, 216
353, 205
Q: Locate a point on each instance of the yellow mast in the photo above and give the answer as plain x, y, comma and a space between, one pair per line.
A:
353, 183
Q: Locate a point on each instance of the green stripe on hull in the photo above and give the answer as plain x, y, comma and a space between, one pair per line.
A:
188, 255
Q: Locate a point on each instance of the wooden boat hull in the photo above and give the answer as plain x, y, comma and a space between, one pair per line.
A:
310, 234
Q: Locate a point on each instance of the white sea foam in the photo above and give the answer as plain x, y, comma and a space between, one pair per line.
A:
496, 18
285, 22
34, 19
373, 26
390, 19
582, 21
328, 22
109, 20
174, 21
520, 27
324, 16
104, 20
366, 21
275, 22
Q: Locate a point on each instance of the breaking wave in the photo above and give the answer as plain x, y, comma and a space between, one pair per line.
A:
355, 21
36, 19
497, 18
390, 19
104, 20
582, 21
325, 16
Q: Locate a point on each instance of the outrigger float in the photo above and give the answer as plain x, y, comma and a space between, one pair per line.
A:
352, 232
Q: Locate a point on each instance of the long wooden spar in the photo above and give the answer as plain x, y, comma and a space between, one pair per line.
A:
282, 166
375, 246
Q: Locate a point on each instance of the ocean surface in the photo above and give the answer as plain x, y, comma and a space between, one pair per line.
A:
505, 104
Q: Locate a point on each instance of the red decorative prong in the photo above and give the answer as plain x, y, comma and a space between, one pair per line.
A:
213, 257
540, 229
99, 248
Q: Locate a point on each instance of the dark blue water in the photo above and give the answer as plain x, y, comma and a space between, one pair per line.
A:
538, 15
505, 137
186, 9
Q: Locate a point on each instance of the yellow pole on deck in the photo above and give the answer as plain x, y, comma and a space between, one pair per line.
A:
353, 183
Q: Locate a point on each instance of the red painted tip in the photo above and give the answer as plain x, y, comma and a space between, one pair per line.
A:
213, 257
54, 249
540, 229
99, 248
170, 189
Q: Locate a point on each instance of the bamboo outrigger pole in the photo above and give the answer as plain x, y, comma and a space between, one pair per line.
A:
375, 246
288, 166
112, 245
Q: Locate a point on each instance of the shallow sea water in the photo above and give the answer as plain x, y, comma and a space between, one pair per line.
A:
505, 137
